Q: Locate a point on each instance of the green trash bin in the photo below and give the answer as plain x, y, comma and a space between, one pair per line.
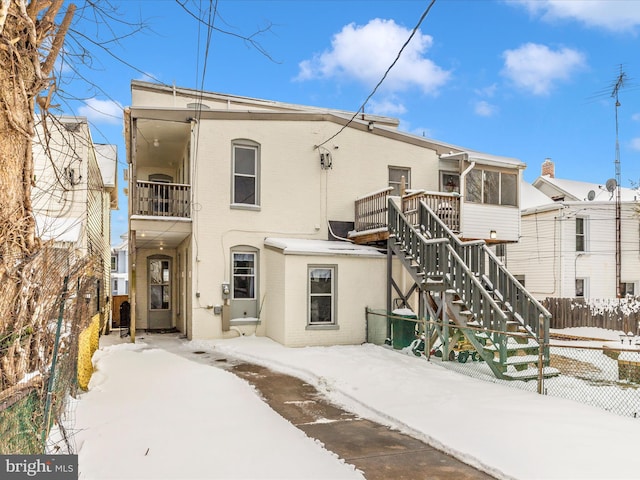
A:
403, 332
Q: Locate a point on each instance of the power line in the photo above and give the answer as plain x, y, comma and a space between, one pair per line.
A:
361, 109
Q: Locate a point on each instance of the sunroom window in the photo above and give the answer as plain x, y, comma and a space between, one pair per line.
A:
492, 187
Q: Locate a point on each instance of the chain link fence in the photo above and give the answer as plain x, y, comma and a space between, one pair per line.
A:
40, 325
598, 372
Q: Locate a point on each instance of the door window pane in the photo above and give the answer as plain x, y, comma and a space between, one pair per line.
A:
159, 284
244, 275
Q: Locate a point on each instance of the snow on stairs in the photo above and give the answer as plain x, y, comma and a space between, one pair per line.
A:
522, 359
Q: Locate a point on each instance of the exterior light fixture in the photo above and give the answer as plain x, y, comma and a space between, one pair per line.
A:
156, 142
493, 235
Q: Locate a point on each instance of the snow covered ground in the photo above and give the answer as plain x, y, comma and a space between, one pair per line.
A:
155, 411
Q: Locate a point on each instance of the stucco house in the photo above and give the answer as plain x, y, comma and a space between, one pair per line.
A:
252, 216
570, 245
74, 192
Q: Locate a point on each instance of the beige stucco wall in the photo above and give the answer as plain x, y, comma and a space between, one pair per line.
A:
297, 197
361, 283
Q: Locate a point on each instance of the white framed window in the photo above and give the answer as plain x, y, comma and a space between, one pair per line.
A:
114, 263
449, 182
581, 234
321, 289
581, 287
491, 187
244, 276
395, 179
520, 278
245, 184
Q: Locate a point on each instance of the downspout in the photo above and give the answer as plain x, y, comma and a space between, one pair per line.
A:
559, 222
191, 264
463, 189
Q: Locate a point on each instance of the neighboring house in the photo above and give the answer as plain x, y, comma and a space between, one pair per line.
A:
75, 190
120, 267
240, 210
569, 245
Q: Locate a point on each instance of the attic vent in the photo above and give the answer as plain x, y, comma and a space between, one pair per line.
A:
198, 105
71, 127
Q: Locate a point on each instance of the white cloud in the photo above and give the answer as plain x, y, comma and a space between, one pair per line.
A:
635, 144
614, 15
635, 117
489, 91
537, 68
485, 109
101, 111
363, 53
386, 107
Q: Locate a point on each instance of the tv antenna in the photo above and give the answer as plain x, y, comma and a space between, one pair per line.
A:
620, 81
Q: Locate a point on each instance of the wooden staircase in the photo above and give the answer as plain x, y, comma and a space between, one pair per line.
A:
471, 298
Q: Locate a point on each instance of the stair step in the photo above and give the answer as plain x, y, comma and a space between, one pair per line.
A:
532, 374
522, 359
513, 346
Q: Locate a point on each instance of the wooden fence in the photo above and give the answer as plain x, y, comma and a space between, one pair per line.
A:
616, 314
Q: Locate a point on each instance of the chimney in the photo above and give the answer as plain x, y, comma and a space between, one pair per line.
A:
548, 168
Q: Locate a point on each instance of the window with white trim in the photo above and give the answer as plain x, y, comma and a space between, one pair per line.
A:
245, 189
491, 187
395, 179
114, 263
581, 234
321, 288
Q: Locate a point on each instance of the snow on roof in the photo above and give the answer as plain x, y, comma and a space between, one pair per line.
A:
299, 246
580, 190
531, 197
488, 159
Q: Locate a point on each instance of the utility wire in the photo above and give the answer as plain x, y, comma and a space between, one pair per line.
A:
413, 32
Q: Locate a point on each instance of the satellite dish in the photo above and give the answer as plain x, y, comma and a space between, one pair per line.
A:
611, 185
591, 195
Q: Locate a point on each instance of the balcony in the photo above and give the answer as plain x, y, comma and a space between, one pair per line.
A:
158, 199
371, 212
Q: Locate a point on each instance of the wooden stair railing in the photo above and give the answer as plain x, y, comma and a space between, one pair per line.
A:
432, 253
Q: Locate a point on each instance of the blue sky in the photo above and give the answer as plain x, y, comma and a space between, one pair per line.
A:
524, 79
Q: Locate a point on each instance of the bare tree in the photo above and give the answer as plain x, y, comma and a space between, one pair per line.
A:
30, 41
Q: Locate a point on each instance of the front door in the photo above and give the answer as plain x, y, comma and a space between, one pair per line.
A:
159, 281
